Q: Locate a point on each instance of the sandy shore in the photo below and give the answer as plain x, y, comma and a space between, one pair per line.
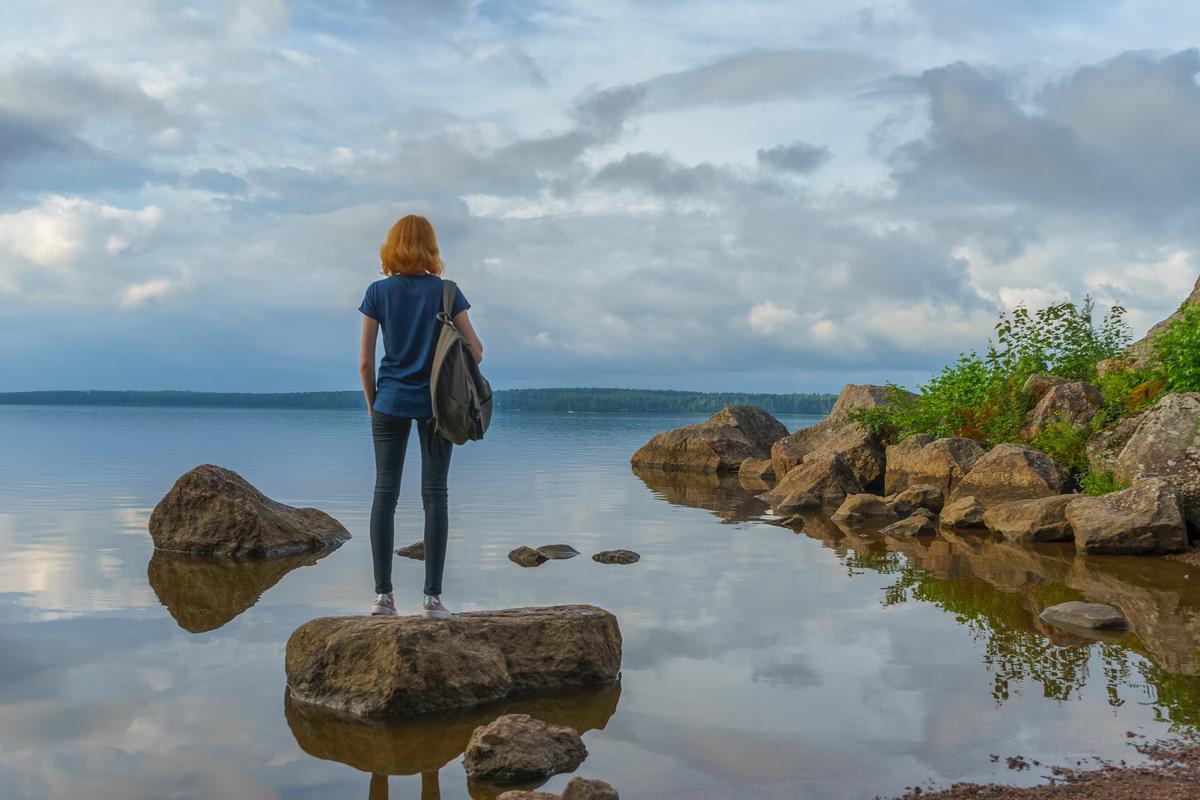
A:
1173, 773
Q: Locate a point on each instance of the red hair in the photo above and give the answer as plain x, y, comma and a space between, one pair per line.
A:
411, 248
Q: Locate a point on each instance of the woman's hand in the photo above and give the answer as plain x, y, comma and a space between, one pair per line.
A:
463, 323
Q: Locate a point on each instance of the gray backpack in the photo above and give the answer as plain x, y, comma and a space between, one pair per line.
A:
462, 397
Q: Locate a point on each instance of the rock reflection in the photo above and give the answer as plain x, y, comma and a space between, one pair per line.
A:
202, 594
723, 495
424, 745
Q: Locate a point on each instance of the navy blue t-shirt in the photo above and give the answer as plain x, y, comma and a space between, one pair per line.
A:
406, 308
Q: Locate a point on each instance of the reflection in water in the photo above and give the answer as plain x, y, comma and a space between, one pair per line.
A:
996, 590
426, 744
202, 593
723, 495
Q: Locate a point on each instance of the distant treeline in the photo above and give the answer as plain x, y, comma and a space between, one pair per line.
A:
505, 399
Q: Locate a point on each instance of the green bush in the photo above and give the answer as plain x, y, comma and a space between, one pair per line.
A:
1178, 352
1067, 445
982, 396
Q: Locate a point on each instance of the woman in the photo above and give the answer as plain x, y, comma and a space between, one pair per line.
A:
404, 304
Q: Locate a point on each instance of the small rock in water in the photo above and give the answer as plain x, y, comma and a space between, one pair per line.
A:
1075, 613
517, 748
525, 794
558, 551
589, 789
921, 523
526, 557
416, 550
965, 512
616, 557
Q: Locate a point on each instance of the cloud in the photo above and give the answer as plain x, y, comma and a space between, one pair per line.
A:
799, 157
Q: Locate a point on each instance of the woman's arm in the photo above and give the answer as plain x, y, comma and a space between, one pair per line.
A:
366, 359
463, 323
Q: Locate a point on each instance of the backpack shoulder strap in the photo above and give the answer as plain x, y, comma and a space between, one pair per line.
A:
449, 294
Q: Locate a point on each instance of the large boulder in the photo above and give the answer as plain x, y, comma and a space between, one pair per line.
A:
837, 434
1043, 519
1072, 402
213, 511
1165, 443
823, 479
919, 495
516, 748
399, 666
922, 460
1145, 518
719, 444
1012, 472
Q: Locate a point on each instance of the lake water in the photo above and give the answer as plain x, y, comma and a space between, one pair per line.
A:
758, 662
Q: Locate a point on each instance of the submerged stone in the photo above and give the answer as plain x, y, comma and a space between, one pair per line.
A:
616, 557
1078, 614
415, 551
517, 748
526, 556
558, 551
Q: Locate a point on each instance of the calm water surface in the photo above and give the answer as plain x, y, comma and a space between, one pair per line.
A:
759, 662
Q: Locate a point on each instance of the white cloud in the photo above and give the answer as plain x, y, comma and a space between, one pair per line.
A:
139, 293
768, 319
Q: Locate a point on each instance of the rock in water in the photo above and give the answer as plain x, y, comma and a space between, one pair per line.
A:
558, 551
616, 557
1145, 518
965, 512
400, 666
526, 556
1012, 472
823, 479
921, 523
526, 794
1095, 616
517, 748
415, 551
922, 460
214, 511
719, 444
837, 434
920, 495
759, 468
864, 509
1041, 520
589, 789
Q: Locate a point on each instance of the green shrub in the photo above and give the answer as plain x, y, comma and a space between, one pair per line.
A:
1067, 445
982, 396
1178, 352
1100, 482
1128, 392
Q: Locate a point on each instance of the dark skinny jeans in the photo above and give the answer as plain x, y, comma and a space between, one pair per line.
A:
391, 439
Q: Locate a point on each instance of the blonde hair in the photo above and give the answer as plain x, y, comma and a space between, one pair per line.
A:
411, 248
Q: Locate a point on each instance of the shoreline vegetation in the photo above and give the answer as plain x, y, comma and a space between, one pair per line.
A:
562, 400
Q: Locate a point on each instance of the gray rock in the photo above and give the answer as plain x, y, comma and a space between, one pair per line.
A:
1043, 519
1145, 518
864, 508
823, 479
1012, 472
719, 444
1077, 614
1166, 444
1072, 402
558, 551
526, 556
516, 748
415, 551
964, 512
401, 666
616, 557
921, 460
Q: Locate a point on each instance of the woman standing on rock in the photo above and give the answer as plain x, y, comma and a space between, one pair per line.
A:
404, 305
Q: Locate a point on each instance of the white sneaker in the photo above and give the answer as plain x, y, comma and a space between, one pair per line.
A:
432, 607
384, 606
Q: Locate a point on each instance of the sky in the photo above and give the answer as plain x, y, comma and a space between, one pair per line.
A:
690, 194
